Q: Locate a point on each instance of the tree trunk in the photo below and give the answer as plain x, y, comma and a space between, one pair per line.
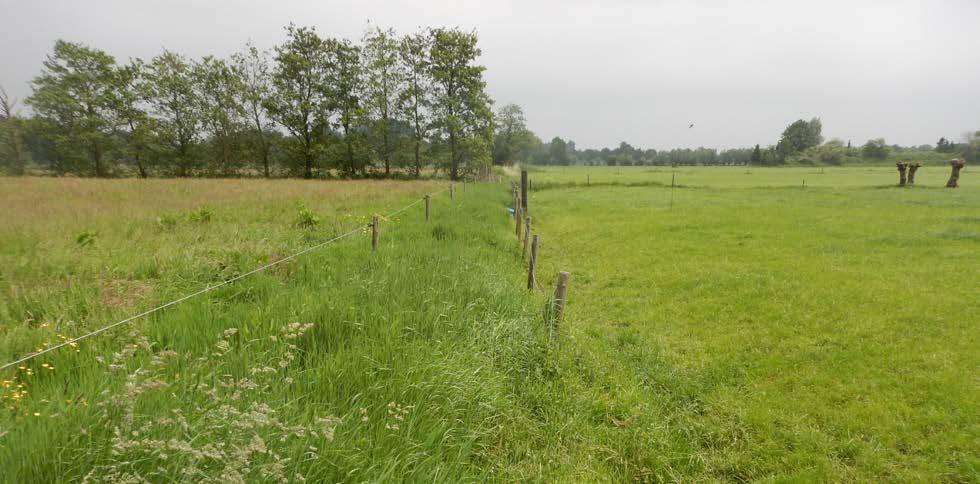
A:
902, 166
384, 137
97, 156
418, 160
181, 160
350, 155
265, 158
140, 169
453, 164
308, 155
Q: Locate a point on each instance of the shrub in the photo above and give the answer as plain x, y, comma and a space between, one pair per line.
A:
201, 215
307, 219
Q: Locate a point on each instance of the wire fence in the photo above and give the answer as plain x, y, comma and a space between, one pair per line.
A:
209, 288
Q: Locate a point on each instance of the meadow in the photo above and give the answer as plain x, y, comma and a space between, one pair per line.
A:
738, 327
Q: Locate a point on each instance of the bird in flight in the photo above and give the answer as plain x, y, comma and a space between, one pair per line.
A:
691, 126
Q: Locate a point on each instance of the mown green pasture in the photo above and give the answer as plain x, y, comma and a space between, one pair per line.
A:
743, 327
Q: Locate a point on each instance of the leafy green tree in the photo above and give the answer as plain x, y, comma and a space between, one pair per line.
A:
136, 128
300, 100
253, 67
832, 152
971, 148
799, 136
513, 139
13, 151
558, 151
944, 146
384, 82
462, 106
875, 149
415, 101
220, 88
756, 155
176, 107
345, 81
72, 96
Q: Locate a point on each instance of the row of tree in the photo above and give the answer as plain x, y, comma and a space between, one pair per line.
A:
802, 142
313, 106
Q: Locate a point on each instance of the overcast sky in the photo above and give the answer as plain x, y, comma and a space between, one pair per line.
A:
606, 71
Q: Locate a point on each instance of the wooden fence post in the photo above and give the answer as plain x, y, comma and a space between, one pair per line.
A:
588, 180
452, 189
518, 219
561, 294
527, 236
517, 203
524, 191
426, 208
532, 262
374, 233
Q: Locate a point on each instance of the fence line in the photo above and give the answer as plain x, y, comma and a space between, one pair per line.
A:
209, 288
554, 308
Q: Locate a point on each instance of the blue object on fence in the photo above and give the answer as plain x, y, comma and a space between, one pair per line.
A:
511, 210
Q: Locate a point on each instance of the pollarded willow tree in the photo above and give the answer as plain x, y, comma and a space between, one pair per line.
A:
461, 104
384, 83
176, 106
300, 98
72, 98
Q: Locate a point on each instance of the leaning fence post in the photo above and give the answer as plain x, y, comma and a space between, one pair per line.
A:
532, 262
374, 233
426, 208
527, 236
561, 290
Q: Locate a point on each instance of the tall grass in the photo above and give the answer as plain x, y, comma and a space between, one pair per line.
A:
343, 365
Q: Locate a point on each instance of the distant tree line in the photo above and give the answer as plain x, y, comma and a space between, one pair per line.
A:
311, 107
801, 142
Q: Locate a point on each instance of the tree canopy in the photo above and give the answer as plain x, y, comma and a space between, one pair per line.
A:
313, 106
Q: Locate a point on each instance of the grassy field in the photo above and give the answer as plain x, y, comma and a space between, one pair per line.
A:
340, 365
753, 329
739, 327
734, 177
